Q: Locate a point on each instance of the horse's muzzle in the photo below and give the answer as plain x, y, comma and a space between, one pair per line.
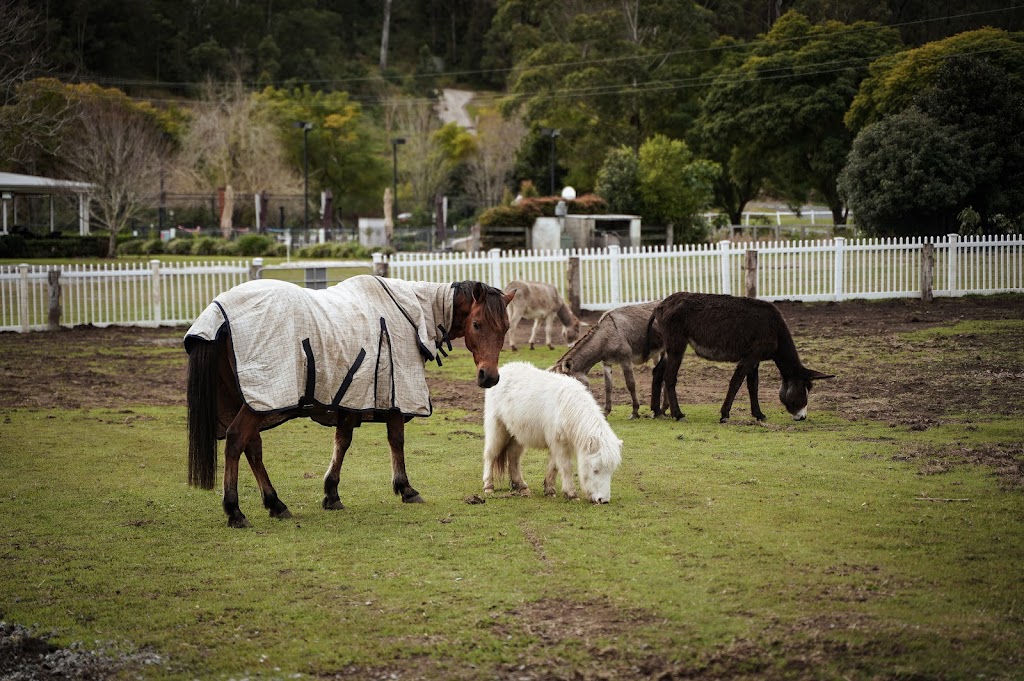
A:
486, 380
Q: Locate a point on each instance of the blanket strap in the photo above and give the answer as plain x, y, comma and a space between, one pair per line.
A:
348, 378
440, 343
308, 399
424, 351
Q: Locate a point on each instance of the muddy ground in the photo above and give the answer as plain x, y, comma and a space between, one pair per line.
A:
880, 375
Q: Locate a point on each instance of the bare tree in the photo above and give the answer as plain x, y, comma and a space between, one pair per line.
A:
230, 142
423, 163
30, 119
492, 163
119, 152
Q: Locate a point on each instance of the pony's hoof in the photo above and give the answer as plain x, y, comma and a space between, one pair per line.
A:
239, 523
572, 497
523, 492
282, 515
488, 490
414, 500
332, 504
549, 492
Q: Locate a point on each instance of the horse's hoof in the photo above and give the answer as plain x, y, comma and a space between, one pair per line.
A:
414, 500
239, 523
332, 505
282, 515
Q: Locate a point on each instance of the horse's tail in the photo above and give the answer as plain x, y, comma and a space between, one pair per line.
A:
202, 412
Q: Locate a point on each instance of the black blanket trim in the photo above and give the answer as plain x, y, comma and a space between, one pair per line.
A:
424, 350
348, 378
308, 400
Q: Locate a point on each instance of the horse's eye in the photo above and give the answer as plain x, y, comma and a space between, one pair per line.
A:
476, 325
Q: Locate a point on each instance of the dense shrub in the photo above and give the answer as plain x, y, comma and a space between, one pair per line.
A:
53, 246
130, 247
349, 250
255, 244
13, 246
523, 213
152, 247
178, 247
222, 247
205, 245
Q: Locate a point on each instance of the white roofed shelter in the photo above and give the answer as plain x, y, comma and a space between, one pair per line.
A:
13, 185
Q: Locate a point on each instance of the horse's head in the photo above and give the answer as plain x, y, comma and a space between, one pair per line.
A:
596, 467
481, 319
794, 391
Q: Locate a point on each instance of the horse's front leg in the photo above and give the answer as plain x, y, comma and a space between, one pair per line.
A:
342, 441
254, 453
753, 381
399, 478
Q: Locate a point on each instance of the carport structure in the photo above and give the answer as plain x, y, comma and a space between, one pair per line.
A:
14, 186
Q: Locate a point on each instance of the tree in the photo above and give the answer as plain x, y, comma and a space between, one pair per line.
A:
119, 151
959, 147
618, 182
895, 80
784, 105
675, 186
490, 165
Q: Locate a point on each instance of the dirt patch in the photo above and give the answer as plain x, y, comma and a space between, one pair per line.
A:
1005, 461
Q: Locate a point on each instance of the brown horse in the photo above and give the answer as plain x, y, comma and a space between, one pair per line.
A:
222, 406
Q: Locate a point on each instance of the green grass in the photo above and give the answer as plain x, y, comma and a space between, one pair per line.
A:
783, 542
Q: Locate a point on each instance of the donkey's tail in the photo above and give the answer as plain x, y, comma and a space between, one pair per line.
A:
202, 412
652, 340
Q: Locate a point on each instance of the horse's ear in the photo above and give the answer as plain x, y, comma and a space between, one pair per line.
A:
813, 375
479, 292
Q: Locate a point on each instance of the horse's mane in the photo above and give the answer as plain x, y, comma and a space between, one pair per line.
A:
494, 301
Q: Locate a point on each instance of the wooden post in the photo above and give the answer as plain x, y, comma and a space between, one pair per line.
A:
572, 275
53, 319
927, 271
750, 266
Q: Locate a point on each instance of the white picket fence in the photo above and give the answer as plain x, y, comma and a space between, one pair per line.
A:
154, 293
835, 269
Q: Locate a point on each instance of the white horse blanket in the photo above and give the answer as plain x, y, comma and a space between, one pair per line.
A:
360, 345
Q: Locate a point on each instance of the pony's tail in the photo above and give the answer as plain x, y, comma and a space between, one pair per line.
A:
499, 467
202, 413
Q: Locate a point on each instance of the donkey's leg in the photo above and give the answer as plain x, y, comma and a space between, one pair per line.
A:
342, 441
672, 363
549, 321
254, 453
513, 324
627, 373
657, 387
742, 369
607, 369
399, 478
242, 429
753, 380
533, 331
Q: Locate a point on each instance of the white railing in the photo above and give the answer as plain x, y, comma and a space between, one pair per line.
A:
124, 294
835, 269
154, 293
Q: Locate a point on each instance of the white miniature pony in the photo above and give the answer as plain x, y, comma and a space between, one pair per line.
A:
530, 407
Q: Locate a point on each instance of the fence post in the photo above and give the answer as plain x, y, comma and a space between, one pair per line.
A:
381, 266
927, 271
495, 257
751, 269
953, 263
53, 318
23, 297
726, 278
572, 276
254, 268
156, 294
837, 267
615, 270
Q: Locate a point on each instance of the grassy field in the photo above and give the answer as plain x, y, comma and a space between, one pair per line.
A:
787, 550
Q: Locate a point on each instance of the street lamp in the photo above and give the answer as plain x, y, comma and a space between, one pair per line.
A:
552, 133
394, 173
306, 127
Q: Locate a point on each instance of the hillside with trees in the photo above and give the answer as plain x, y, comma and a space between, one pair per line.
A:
907, 112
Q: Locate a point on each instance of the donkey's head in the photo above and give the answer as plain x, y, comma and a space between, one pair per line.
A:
596, 467
794, 391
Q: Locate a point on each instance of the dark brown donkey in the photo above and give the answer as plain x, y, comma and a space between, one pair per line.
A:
618, 337
224, 404
729, 329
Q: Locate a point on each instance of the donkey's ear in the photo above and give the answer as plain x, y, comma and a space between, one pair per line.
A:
567, 366
510, 295
812, 375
